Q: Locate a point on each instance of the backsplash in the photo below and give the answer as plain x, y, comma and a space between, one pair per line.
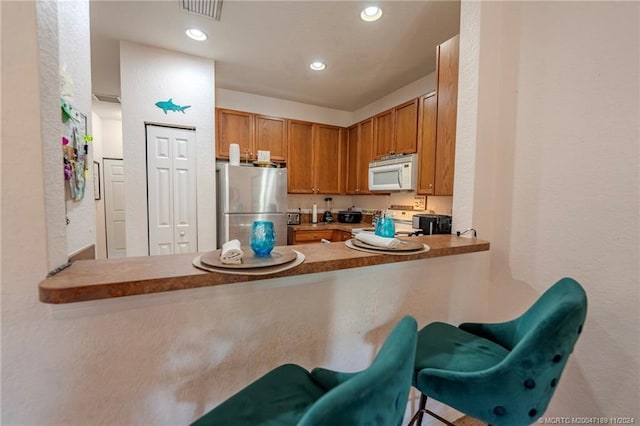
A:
440, 205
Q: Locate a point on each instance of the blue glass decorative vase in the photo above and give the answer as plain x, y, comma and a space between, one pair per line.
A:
385, 227
262, 238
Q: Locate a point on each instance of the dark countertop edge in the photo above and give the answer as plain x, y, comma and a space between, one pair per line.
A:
196, 278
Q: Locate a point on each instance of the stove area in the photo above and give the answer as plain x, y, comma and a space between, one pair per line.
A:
402, 220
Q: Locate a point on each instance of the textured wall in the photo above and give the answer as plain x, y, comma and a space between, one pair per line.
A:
75, 62
280, 108
419, 87
556, 181
149, 75
51, 129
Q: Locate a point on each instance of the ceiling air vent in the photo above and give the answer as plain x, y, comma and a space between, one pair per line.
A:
210, 8
107, 98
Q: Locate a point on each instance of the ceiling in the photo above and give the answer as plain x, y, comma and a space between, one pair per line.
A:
265, 47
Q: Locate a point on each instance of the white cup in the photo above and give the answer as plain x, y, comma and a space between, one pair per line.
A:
234, 154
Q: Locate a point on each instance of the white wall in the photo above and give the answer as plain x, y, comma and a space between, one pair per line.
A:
241, 101
558, 111
420, 87
75, 63
51, 129
149, 75
112, 138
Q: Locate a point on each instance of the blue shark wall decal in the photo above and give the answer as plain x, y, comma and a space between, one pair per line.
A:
170, 106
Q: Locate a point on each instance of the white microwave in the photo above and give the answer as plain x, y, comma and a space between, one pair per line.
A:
395, 174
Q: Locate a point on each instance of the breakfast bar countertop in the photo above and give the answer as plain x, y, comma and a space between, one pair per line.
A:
108, 278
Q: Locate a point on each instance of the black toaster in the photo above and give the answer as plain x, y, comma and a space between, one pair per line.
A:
429, 224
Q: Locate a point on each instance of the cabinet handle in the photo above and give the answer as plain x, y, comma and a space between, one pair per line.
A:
182, 233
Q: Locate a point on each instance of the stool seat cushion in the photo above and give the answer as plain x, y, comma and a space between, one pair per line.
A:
279, 398
446, 347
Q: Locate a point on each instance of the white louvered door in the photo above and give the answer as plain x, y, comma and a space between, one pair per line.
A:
171, 188
114, 207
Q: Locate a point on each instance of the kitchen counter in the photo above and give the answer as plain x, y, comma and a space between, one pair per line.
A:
101, 279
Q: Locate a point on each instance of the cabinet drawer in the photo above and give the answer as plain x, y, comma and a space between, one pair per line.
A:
312, 236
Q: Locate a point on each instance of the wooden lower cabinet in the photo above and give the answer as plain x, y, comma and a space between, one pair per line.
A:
314, 236
317, 235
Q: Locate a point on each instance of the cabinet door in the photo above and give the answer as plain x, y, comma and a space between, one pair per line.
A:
427, 144
300, 157
383, 128
234, 127
352, 160
447, 93
365, 155
406, 127
329, 160
271, 135
314, 236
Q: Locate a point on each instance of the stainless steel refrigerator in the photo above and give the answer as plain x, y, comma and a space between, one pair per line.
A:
246, 194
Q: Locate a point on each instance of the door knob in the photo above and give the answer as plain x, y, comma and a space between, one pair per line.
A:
182, 233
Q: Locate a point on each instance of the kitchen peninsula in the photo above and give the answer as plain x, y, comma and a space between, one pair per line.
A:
103, 279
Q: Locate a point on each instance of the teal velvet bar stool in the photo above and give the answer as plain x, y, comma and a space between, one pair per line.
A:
290, 395
504, 373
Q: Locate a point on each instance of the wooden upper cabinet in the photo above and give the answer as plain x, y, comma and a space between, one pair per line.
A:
365, 155
406, 127
427, 144
447, 98
252, 132
437, 125
329, 165
383, 134
271, 135
300, 157
396, 130
316, 159
352, 159
360, 149
233, 127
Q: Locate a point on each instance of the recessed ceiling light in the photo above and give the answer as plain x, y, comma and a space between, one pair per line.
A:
196, 34
371, 13
317, 66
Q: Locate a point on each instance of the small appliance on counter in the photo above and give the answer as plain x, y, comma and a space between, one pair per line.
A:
327, 216
293, 218
429, 224
348, 216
